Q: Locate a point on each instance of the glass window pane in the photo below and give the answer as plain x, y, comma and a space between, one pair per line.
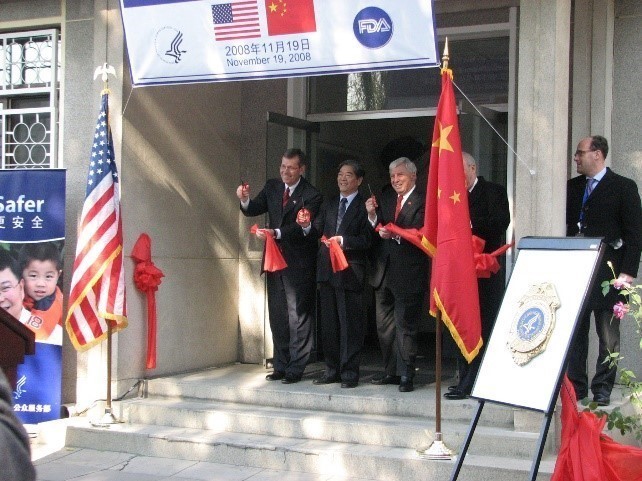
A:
480, 67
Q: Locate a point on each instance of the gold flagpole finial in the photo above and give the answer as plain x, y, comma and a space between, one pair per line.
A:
445, 57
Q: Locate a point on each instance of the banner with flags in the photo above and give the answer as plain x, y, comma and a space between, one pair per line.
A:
97, 294
447, 230
184, 41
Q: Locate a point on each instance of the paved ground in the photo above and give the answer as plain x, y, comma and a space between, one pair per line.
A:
89, 465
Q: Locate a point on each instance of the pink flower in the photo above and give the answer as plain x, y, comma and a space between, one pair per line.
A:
620, 283
620, 309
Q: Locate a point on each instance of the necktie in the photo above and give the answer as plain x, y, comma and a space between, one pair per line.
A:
342, 211
286, 196
590, 185
398, 207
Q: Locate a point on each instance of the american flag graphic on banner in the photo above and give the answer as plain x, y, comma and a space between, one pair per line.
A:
236, 19
97, 293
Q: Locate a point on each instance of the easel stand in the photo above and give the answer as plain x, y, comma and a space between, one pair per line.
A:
546, 423
534, 330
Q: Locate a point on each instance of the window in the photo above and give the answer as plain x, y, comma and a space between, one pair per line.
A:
29, 99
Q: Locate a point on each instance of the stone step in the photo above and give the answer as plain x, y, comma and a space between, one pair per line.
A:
368, 429
293, 454
249, 387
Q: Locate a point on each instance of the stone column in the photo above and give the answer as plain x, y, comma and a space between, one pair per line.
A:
542, 118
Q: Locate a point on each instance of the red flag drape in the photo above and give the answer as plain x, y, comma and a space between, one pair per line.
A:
587, 454
447, 231
337, 256
273, 259
147, 278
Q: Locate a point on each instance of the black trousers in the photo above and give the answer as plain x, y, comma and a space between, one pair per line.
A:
398, 313
343, 323
608, 333
291, 305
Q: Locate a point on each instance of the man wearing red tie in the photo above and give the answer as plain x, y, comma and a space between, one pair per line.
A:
291, 291
400, 276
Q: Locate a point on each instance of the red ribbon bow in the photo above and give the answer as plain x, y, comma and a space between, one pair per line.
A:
486, 264
337, 256
147, 278
273, 260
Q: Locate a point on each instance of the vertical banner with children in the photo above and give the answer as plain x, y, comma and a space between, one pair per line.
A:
32, 235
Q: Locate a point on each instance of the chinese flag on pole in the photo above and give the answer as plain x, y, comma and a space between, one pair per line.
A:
447, 231
286, 17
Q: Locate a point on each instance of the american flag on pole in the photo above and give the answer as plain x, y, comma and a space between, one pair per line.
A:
236, 19
98, 281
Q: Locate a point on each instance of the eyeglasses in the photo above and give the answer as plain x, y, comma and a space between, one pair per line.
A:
7, 287
579, 153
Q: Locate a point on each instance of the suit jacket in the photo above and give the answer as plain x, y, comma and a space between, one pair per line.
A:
612, 211
299, 251
489, 217
357, 237
404, 266
489, 213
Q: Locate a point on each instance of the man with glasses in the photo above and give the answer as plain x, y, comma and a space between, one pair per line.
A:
291, 291
601, 203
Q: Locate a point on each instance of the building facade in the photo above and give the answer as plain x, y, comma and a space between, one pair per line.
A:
540, 74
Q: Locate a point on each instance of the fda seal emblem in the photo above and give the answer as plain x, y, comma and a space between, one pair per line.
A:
533, 323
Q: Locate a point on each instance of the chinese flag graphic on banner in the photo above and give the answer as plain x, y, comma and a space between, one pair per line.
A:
286, 17
447, 231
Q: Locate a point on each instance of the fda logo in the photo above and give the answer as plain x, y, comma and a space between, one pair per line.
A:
372, 27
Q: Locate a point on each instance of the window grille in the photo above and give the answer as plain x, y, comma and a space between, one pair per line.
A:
29, 65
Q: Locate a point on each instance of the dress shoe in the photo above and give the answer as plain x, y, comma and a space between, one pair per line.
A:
601, 400
387, 379
325, 380
349, 384
405, 384
455, 394
275, 376
290, 379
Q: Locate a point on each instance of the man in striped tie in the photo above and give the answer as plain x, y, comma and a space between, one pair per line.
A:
342, 219
601, 203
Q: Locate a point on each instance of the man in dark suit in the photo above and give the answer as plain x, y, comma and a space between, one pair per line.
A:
489, 219
601, 203
400, 276
291, 291
344, 219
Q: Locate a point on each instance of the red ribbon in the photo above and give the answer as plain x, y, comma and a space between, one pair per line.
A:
147, 278
486, 263
337, 256
414, 236
273, 260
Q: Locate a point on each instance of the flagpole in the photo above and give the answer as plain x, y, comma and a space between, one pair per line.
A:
108, 417
438, 450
